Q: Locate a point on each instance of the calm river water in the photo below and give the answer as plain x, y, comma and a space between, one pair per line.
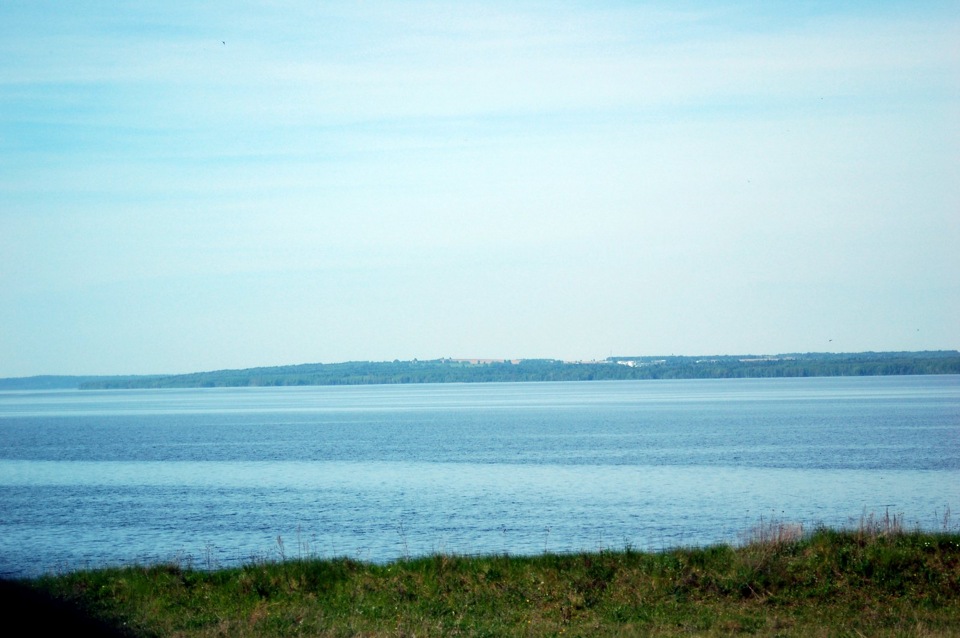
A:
219, 477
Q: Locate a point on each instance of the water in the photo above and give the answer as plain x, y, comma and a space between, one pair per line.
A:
213, 477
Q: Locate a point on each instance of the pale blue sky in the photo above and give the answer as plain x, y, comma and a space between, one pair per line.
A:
192, 186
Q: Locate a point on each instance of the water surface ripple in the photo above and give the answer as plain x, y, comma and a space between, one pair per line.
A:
214, 476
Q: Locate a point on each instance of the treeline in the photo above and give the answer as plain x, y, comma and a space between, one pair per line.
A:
61, 382
798, 365
613, 368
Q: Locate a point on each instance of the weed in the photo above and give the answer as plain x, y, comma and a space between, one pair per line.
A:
874, 579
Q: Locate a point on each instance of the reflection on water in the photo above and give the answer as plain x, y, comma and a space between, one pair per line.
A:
378, 472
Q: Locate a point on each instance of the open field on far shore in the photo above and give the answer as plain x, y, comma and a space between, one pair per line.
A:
879, 580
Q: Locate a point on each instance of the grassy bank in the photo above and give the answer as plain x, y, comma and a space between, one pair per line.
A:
871, 582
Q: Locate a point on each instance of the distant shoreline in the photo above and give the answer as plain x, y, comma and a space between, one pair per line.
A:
520, 370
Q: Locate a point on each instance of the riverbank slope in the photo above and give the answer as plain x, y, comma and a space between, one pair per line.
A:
876, 582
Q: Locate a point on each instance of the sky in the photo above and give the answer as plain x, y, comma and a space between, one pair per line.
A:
194, 186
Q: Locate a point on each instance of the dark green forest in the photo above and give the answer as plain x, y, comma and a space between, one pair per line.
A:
612, 368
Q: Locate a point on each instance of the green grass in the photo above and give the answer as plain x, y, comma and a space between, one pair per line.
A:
876, 581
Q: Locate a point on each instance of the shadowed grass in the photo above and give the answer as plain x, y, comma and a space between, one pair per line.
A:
875, 581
